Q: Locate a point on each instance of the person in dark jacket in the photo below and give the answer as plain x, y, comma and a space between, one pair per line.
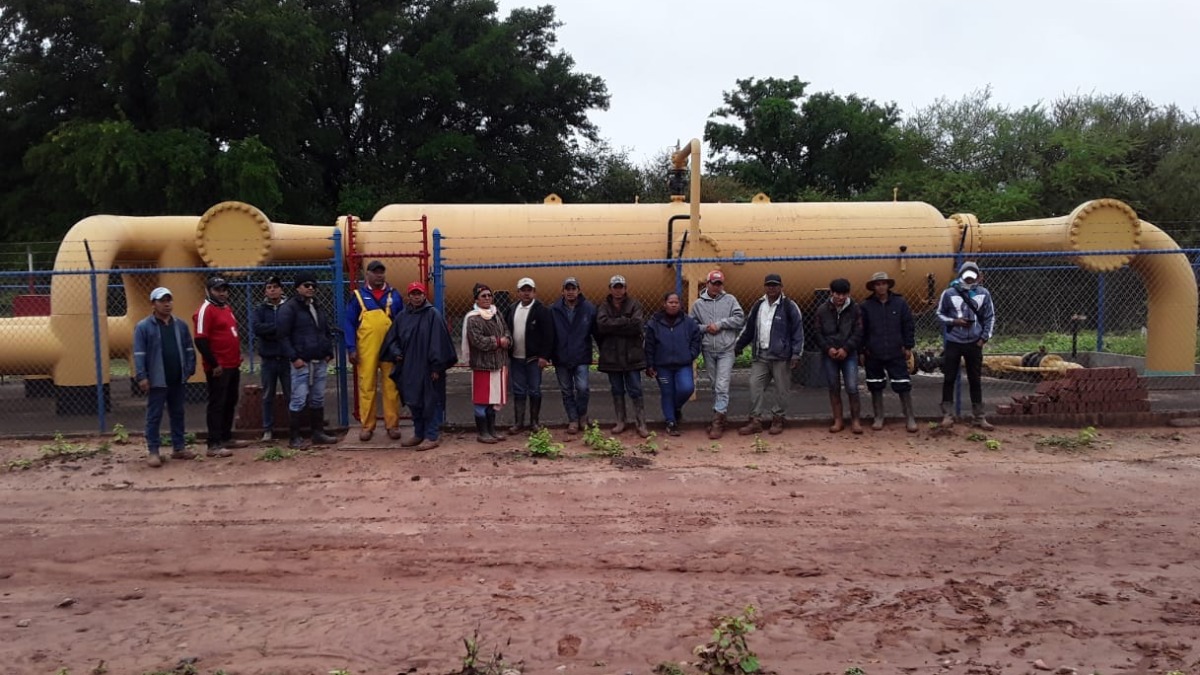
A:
307, 342
420, 349
839, 335
968, 317
532, 349
774, 331
163, 360
574, 325
889, 336
274, 369
619, 331
673, 341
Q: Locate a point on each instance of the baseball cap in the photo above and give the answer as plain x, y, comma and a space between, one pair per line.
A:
772, 279
525, 281
417, 286
160, 293
376, 266
571, 281
217, 282
716, 275
616, 280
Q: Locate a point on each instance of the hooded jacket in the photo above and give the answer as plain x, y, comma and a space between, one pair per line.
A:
971, 303
723, 310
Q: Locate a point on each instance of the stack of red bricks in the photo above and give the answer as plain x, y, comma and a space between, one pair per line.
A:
1084, 390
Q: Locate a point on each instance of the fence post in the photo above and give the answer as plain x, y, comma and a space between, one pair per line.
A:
339, 311
100, 407
439, 274
1100, 288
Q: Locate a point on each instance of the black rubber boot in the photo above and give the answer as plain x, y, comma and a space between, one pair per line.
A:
518, 416
491, 425
535, 413
296, 441
481, 429
316, 420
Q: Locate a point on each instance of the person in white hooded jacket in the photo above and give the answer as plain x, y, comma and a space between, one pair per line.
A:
968, 317
721, 319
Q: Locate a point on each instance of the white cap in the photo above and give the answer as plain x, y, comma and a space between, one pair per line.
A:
969, 275
525, 281
159, 293
616, 280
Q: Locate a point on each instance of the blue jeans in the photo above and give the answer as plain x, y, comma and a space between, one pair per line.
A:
172, 396
629, 381
427, 420
573, 382
720, 370
525, 378
308, 386
847, 370
274, 371
675, 386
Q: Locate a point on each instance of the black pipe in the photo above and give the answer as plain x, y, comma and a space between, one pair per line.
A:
671, 232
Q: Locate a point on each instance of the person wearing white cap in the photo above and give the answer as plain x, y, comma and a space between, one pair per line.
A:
163, 359
532, 347
968, 317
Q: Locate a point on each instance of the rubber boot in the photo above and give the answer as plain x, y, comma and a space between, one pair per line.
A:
316, 421
481, 429
639, 417
877, 408
910, 420
855, 413
296, 441
535, 413
491, 425
835, 404
518, 416
619, 409
947, 415
978, 418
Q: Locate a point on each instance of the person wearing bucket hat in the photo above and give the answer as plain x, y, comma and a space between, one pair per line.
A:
839, 338
775, 334
574, 327
532, 328
369, 314
721, 318
163, 360
889, 336
216, 332
968, 318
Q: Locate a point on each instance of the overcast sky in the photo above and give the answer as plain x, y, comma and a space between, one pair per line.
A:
667, 62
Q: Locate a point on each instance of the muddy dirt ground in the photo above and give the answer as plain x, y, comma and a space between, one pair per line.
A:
892, 552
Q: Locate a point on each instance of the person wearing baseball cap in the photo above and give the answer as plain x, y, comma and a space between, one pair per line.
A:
307, 340
721, 318
619, 326
968, 317
775, 334
163, 360
369, 314
275, 372
217, 341
532, 349
420, 349
574, 324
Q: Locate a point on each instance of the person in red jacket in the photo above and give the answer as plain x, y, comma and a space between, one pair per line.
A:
218, 344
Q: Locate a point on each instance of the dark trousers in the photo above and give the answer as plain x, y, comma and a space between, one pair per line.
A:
427, 419
525, 378
973, 354
627, 381
879, 371
222, 404
275, 371
172, 397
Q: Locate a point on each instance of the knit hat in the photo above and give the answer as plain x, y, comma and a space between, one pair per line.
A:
304, 278
479, 288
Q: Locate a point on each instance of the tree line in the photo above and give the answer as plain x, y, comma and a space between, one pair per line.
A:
314, 108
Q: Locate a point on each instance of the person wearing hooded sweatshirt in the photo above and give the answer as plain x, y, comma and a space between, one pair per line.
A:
968, 318
574, 327
307, 341
839, 337
721, 318
486, 340
890, 337
421, 350
673, 341
218, 344
620, 333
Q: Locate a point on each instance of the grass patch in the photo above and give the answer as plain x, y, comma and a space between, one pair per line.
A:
1086, 438
605, 446
275, 454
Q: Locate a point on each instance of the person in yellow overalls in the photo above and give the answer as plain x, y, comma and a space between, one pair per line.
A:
368, 317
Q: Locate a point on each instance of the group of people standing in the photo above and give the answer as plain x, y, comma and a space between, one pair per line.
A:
402, 346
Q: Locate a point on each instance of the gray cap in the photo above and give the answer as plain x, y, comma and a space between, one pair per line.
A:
616, 280
571, 281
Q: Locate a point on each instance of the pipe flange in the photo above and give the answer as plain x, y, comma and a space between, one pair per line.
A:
1103, 225
233, 234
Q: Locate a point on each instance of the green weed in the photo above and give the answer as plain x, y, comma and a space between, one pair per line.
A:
120, 435
667, 668
728, 652
649, 446
1085, 438
61, 448
976, 436
760, 444
855, 670
604, 446
542, 444
991, 444
474, 664
20, 464
275, 454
